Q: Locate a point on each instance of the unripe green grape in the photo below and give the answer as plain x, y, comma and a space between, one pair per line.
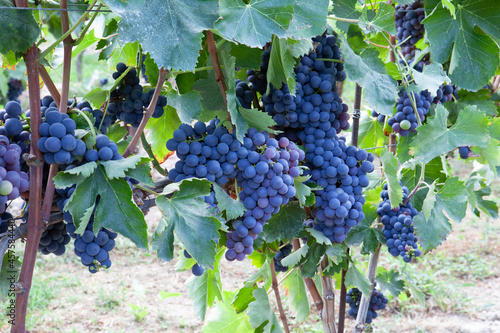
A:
5, 187
405, 124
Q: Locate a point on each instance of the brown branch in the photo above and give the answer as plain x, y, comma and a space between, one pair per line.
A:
23, 285
50, 85
377, 45
278, 298
149, 151
219, 76
392, 56
343, 292
311, 286
149, 112
356, 115
328, 312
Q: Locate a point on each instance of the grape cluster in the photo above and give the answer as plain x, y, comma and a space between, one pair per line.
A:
15, 89
57, 138
13, 126
409, 27
380, 117
445, 94
204, 152
377, 302
129, 100
404, 120
341, 171
98, 116
93, 250
54, 239
464, 152
13, 181
266, 171
258, 79
105, 150
244, 94
398, 229
316, 102
280, 255
197, 270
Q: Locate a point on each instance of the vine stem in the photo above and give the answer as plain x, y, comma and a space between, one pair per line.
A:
219, 76
278, 297
23, 285
311, 286
364, 304
149, 112
343, 19
50, 85
149, 151
67, 33
328, 312
89, 24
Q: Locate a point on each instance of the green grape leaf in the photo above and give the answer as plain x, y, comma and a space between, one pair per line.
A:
204, 289
356, 278
491, 155
96, 97
451, 199
183, 263
173, 38
211, 96
261, 313
383, 20
431, 78
286, 224
390, 280
116, 210
188, 105
296, 288
126, 54
160, 130
390, 165
404, 146
473, 51
152, 70
19, 29
295, 257
10, 268
118, 168
303, 191
379, 89
225, 319
243, 297
494, 129
282, 62
255, 22
186, 213
319, 236
141, 173
429, 202
309, 18
435, 138
487, 206
116, 132
246, 57
365, 233
259, 120
345, 9
312, 260
371, 132
233, 208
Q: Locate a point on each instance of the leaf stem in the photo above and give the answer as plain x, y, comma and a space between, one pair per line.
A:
149, 112
92, 129
385, 146
50, 85
331, 60
146, 190
149, 151
87, 26
343, 19
68, 32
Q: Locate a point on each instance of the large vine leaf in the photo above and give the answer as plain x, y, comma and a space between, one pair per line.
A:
232, 207
187, 105
262, 316
390, 165
390, 280
186, 213
379, 89
19, 29
282, 61
296, 288
450, 199
371, 132
365, 233
160, 130
383, 20
345, 9
480, 98
254, 22
357, 279
224, 318
286, 224
204, 289
435, 138
309, 18
174, 30
474, 53
116, 209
